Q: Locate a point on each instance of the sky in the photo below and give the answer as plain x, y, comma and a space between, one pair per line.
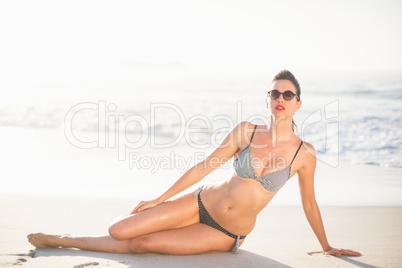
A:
45, 41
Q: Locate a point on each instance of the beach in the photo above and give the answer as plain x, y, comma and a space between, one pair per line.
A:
104, 105
281, 238
68, 190
85, 155
73, 163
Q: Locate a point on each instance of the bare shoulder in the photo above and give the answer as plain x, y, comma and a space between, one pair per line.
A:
238, 134
244, 133
308, 158
226, 150
308, 150
246, 126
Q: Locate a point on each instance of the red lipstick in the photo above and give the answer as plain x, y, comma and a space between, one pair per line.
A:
280, 108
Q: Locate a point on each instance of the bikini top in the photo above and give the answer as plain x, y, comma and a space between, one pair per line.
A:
273, 181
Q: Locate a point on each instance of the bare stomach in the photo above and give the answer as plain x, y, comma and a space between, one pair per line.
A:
234, 204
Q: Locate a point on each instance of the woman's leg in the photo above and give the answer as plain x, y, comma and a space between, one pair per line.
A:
194, 239
95, 243
168, 215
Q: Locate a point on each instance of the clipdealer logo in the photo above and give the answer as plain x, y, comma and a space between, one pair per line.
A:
118, 131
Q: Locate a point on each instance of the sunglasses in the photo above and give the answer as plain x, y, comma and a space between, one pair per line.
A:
287, 95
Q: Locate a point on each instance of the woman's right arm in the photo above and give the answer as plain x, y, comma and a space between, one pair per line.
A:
219, 156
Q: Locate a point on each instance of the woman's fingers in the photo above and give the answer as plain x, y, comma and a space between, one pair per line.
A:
148, 204
135, 210
339, 252
144, 205
350, 252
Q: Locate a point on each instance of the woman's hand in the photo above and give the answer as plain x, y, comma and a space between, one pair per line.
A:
339, 252
145, 205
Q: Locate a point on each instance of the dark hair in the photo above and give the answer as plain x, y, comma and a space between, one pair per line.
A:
286, 75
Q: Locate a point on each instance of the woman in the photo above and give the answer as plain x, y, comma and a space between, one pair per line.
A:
218, 217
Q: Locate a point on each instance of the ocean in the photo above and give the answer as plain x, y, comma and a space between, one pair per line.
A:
133, 136
350, 119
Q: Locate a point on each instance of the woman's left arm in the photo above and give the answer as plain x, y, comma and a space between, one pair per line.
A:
310, 207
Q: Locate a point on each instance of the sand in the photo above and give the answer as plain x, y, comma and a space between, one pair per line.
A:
281, 238
361, 208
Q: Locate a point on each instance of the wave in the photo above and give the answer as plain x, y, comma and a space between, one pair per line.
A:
371, 134
377, 93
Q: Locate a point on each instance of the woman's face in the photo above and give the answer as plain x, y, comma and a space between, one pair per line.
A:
280, 106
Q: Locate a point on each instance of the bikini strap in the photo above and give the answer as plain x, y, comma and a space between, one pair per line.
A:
296, 152
252, 135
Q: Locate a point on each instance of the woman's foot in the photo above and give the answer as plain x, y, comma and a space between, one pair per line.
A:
40, 240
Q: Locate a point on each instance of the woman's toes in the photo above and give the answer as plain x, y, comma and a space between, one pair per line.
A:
39, 240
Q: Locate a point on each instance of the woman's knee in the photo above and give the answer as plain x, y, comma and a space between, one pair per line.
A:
114, 231
117, 230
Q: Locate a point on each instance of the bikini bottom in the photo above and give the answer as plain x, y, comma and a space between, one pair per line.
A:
205, 218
